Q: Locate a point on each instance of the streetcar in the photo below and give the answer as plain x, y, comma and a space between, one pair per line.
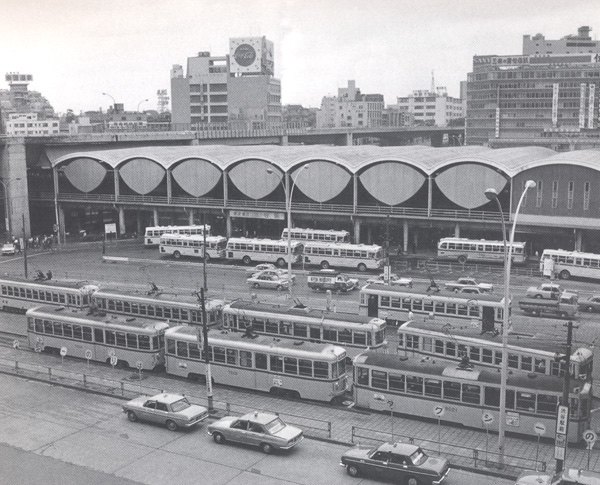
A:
153, 233
178, 245
291, 368
332, 254
527, 352
396, 303
263, 250
18, 295
155, 304
479, 250
415, 387
308, 234
98, 337
353, 332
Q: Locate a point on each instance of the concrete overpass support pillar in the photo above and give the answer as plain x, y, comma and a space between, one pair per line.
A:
356, 231
369, 234
191, 217
13, 172
121, 220
457, 230
284, 141
155, 211
349, 139
228, 226
140, 228
405, 237
578, 239
61, 225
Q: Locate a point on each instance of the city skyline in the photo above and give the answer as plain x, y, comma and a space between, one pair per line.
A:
77, 50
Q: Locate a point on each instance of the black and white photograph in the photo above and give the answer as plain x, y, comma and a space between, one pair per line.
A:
300, 242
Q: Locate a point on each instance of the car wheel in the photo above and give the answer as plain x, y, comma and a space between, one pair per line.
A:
281, 262
266, 448
537, 296
325, 264
362, 267
131, 416
177, 255
564, 275
412, 481
279, 287
218, 438
246, 260
462, 259
352, 470
207, 257
256, 285
171, 425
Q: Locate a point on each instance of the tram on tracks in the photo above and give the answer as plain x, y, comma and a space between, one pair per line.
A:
292, 368
353, 332
97, 336
176, 308
416, 386
18, 294
527, 352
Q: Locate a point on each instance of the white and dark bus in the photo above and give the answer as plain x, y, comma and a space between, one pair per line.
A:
153, 233
307, 234
343, 255
178, 245
478, 250
249, 250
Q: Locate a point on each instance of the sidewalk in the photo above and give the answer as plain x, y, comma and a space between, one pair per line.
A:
325, 422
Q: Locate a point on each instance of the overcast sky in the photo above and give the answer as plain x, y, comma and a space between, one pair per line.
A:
78, 49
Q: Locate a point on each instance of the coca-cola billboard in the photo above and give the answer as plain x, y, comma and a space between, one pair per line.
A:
251, 55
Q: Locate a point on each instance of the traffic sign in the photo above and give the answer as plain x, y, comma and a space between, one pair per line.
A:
590, 436
439, 411
15, 344
487, 418
139, 364
88, 354
539, 429
113, 360
63, 351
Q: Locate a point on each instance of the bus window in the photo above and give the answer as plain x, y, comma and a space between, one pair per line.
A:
362, 376
396, 382
470, 393
414, 384
321, 370
305, 367
379, 379
451, 390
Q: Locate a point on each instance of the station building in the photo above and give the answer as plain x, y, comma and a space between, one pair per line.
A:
409, 195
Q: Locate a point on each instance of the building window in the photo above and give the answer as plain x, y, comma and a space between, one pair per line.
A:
555, 194
586, 196
570, 195
538, 197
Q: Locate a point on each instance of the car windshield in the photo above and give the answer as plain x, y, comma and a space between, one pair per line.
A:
418, 457
275, 426
180, 405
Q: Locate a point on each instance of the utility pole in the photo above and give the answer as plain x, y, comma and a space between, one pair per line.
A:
204, 252
565, 397
24, 247
207, 373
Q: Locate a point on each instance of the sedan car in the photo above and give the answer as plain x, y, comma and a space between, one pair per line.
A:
394, 280
397, 462
592, 304
172, 410
281, 273
8, 249
265, 430
260, 267
268, 281
468, 283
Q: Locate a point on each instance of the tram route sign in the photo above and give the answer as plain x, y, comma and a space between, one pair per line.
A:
487, 418
15, 344
113, 360
590, 438
439, 411
63, 351
539, 429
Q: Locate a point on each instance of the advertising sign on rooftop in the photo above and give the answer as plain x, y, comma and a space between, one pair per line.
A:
251, 55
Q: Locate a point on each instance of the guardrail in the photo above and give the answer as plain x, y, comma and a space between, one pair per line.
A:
312, 426
459, 456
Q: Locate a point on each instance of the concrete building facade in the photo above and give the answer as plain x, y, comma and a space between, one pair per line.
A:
530, 98
237, 89
570, 44
27, 124
433, 108
351, 108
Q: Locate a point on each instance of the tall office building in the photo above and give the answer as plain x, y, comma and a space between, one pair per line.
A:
238, 88
531, 98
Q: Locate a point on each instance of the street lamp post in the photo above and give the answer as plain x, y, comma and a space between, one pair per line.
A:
289, 189
492, 194
138, 106
113, 99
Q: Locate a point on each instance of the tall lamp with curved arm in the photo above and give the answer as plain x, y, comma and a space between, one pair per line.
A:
288, 205
492, 194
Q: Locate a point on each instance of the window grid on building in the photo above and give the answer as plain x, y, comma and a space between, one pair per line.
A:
538, 197
586, 196
571, 189
555, 194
